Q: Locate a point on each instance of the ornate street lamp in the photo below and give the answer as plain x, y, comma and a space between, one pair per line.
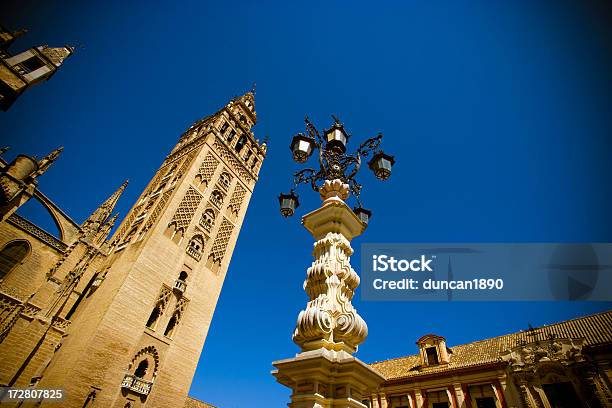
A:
302, 147
288, 203
381, 165
334, 163
363, 214
329, 330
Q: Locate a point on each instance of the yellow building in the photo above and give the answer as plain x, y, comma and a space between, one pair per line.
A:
563, 365
121, 322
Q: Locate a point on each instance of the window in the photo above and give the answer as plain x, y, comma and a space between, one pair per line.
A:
195, 247
231, 136
142, 368
216, 198
12, 255
432, 355
171, 325
240, 144
225, 179
561, 395
207, 220
155, 314
487, 402
32, 64
224, 127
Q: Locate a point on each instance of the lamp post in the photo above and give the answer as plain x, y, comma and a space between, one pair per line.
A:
329, 329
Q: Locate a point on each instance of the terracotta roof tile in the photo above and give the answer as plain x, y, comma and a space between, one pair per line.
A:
595, 329
194, 403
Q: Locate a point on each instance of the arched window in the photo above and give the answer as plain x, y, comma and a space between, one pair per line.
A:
224, 127
225, 179
216, 198
12, 255
231, 135
171, 325
142, 368
207, 220
240, 143
155, 314
195, 247
183, 276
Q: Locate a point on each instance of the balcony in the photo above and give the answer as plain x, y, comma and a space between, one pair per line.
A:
217, 201
180, 286
136, 384
194, 253
206, 223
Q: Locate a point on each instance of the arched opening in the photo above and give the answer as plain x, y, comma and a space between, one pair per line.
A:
38, 214
183, 276
225, 179
207, 220
196, 247
231, 136
142, 368
13, 254
171, 326
216, 198
154, 317
240, 143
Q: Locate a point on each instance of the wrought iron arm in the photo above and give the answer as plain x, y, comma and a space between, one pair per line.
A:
313, 132
369, 145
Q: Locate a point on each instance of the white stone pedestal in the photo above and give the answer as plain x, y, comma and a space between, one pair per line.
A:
329, 330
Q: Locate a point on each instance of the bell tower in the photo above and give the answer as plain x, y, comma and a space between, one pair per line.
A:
21, 71
136, 338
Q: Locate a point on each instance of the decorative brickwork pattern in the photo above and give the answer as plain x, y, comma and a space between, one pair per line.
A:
237, 198
208, 167
158, 208
186, 163
221, 240
186, 209
44, 236
128, 222
230, 158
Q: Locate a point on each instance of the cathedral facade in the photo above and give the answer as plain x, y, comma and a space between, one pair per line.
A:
120, 321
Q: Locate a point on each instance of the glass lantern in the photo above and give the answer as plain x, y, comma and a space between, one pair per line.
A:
336, 137
363, 214
381, 165
288, 203
302, 147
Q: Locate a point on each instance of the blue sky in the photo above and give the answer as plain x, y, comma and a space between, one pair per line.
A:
498, 113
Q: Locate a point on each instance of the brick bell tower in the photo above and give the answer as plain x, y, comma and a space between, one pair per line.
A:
137, 334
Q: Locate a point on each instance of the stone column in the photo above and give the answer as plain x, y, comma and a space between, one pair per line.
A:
526, 398
329, 330
459, 395
498, 390
411, 400
595, 394
419, 399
